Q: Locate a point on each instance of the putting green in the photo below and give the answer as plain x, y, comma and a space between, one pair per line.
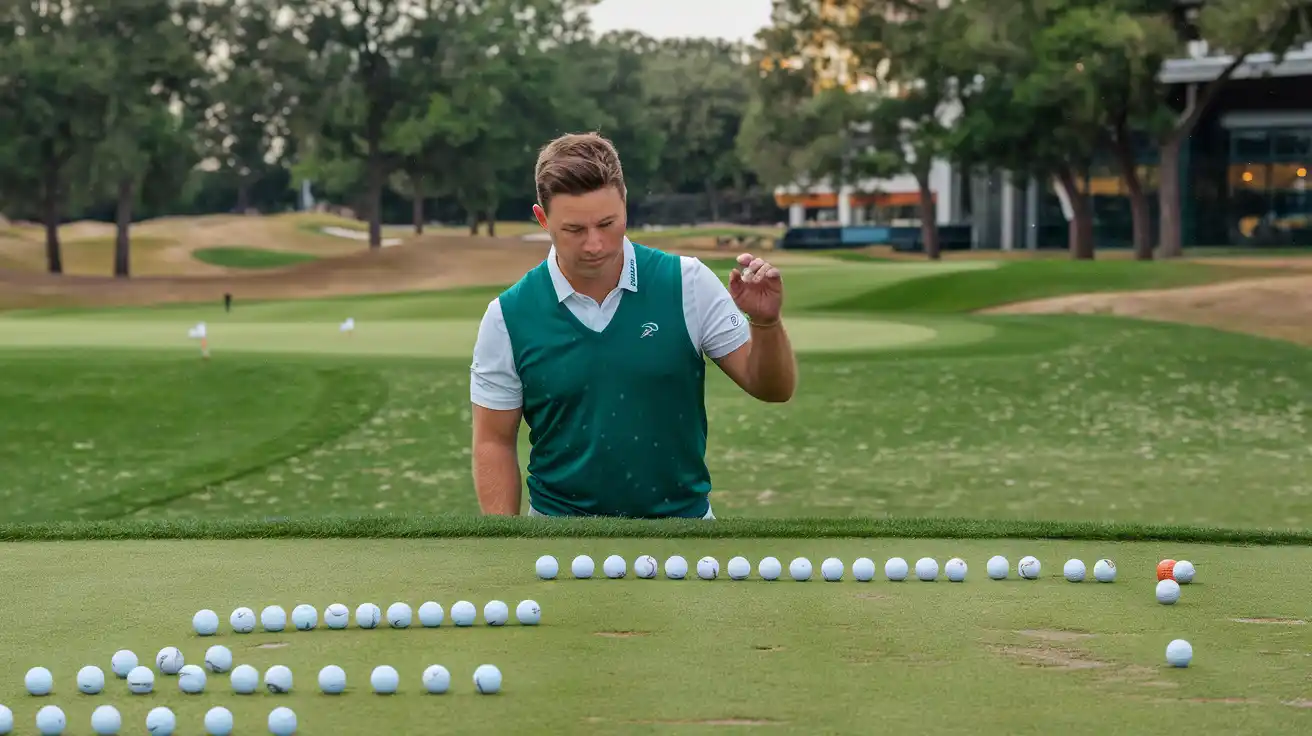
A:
633, 655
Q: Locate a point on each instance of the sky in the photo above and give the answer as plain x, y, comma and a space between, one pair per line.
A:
736, 20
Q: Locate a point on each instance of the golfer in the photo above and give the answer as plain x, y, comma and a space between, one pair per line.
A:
601, 351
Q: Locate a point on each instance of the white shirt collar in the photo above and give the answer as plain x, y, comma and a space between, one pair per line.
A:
628, 276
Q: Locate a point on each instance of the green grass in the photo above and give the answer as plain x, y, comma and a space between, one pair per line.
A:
236, 256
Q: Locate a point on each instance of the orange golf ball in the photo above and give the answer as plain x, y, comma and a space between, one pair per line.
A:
1165, 568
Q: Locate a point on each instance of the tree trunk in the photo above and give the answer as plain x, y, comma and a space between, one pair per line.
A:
474, 218
492, 222
1140, 215
50, 215
713, 200
417, 206
1081, 224
1171, 229
243, 193
928, 217
122, 225
376, 175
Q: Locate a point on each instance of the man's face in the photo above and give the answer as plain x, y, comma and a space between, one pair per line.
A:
588, 230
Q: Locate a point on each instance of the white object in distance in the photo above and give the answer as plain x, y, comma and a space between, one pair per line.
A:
583, 567
1104, 571
645, 567
998, 567
1179, 653
1029, 568
800, 569
739, 568
676, 568
487, 679
927, 569
614, 567
769, 568
528, 613
1183, 572
831, 569
1168, 592
1074, 570
547, 567
895, 569
708, 568
955, 569
496, 613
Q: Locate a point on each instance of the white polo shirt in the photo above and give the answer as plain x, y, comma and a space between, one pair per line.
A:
715, 324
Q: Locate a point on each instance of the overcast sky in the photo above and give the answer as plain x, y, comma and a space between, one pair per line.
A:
737, 20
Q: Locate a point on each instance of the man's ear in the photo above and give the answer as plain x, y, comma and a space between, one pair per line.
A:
541, 215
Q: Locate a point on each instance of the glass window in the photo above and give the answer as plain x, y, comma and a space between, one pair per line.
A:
1295, 144
1251, 144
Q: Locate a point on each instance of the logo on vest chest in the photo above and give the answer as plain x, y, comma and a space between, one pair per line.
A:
649, 329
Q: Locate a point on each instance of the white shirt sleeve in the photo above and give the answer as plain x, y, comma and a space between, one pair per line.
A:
493, 380
715, 323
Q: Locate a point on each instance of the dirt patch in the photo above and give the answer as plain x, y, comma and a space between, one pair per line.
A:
1055, 634
711, 722
273, 645
768, 648
1139, 675
872, 596
620, 634
1048, 658
1284, 621
1302, 703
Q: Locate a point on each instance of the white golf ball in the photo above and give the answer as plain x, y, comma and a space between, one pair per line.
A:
832, 569
955, 570
927, 569
496, 613
273, 618
384, 679
1179, 653
547, 567
487, 679
1183, 572
1029, 568
463, 613
336, 616
769, 568
431, 614
278, 679
122, 662
282, 721
437, 679
332, 679
739, 568
205, 622
800, 569
305, 617
615, 567
218, 721
863, 569
90, 679
583, 567
242, 620
645, 567
399, 615
708, 568
676, 568
245, 679
161, 721
191, 679
367, 615
7, 720
528, 613
169, 660
39, 681
141, 680
1074, 570
1104, 571
105, 721
998, 567
1168, 592
50, 721
218, 659
895, 569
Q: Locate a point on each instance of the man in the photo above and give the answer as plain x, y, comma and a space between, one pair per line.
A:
601, 350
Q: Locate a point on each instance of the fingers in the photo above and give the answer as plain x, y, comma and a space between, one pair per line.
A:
756, 270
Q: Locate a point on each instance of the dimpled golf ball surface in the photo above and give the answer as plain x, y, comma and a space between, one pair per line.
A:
105, 720
955, 570
332, 679
218, 721
800, 569
1074, 571
50, 720
463, 613
496, 613
708, 568
615, 567
305, 617
384, 679
90, 679
399, 615
39, 681
169, 660
161, 721
1029, 568
927, 569
278, 679
273, 618
1104, 571
7, 719
141, 680
582, 567
547, 567
336, 616
218, 659
242, 620
487, 679
1168, 592
367, 615
769, 568
645, 567
191, 679
1179, 653
998, 567
895, 569
431, 614
245, 679
1183, 572
122, 662
832, 569
739, 568
205, 622
528, 613
863, 569
676, 568
437, 679
282, 722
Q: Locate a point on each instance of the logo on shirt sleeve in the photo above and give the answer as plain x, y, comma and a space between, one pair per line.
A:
734, 320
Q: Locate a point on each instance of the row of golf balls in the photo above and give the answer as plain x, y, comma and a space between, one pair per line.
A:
367, 616
106, 720
832, 569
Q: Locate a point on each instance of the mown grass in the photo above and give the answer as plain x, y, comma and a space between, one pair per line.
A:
237, 256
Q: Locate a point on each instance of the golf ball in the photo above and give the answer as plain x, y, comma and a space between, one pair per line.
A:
463, 613
278, 679
739, 568
367, 615
39, 681
273, 618
218, 721
487, 679
191, 679
1179, 653
205, 622
336, 616
7, 720
645, 567
955, 570
218, 659
1183, 572
50, 721
496, 613
1165, 568
528, 613
141, 680
1104, 571
169, 660
927, 569
708, 568
436, 679
676, 568
615, 567
800, 569
90, 679
122, 662
161, 721
242, 620
1074, 570
863, 569
384, 679
399, 615
1168, 592
895, 569
431, 614
282, 722
245, 679
583, 567
832, 569
332, 679
1029, 568
105, 720
547, 567
305, 617
998, 567
769, 568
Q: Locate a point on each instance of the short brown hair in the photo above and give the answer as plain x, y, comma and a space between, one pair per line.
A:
578, 163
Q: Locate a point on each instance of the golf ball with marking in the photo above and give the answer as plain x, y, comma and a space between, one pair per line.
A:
90, 679
708, 568
832, 569
273, 618
1074, 571
161, 721
242, 620
336, 616
191, 679
583, 567
676, 568
245, 679
50, 721
1029, 568
1165, 568
105, 721
800, 569
384, 679
1104, 571
141, 680
218, 659
998, 567
739, 568
955, 570
367, 615
437, 679
1179, 653
332, 679
487, 679
7, 720
39, 681
1168, 592
305, 617
169, 660
615, 567
927, 569
645, 567
278, 679
399, 615
547, 567
769, 568
431, 614
528, 613
282, 721
122, 662
205, 622
218, 721
496, 613
1183, 572
863, 569
463, 613
895, 569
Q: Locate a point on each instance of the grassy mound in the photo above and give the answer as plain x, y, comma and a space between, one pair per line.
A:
237, 256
